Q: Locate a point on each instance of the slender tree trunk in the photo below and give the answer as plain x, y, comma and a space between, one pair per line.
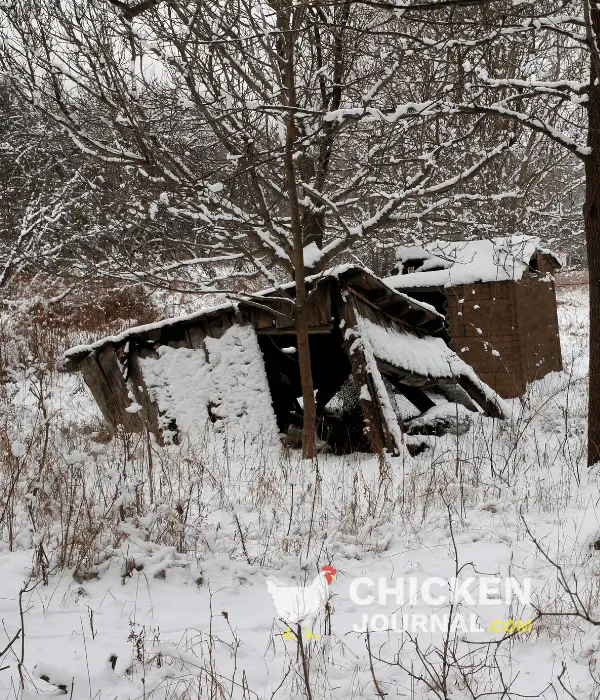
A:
301, 319
591, 213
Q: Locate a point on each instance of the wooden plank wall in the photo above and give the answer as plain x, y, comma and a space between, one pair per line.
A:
492, 309
518, 320
103, 372
538, 327
319, 312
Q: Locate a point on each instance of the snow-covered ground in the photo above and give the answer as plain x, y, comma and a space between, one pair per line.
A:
132, 577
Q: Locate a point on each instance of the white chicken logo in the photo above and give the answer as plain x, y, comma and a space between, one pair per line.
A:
300, 605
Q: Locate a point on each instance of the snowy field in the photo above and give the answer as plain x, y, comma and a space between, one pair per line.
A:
138, 572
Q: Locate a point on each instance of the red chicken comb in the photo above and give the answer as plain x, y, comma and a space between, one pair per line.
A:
329, 569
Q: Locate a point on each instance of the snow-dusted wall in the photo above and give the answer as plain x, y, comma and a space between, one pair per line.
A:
228, 378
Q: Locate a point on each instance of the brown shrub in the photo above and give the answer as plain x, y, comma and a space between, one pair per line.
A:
96, 309
41, 325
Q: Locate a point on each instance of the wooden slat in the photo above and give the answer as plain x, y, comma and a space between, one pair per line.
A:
415, 395
197, 334
96, 382
375, 313
292, 331
153, 335
262, 319
284, 319
479, 397
218, 326
119, 399
401, 375
139, 389
319, 306
456, 394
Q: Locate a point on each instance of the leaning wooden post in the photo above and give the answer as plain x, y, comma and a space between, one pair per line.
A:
96, 382
102, 373
380, 433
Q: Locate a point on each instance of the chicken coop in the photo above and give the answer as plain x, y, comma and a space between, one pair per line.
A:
499, 300
234, 368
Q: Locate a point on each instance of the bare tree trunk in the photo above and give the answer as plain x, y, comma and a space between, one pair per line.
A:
301, 319
591, 214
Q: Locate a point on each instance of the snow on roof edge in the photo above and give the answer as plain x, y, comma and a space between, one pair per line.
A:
146, 328
466, 262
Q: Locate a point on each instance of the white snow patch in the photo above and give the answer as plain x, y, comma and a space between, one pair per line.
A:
231, 383
18, 449
312, 254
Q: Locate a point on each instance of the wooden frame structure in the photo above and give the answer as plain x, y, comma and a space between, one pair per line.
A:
342, 304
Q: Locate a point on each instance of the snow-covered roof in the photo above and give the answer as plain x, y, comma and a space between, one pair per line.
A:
426, 357
449, 263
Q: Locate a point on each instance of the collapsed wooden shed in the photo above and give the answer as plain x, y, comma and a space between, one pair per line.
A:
499, 300
235, 366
